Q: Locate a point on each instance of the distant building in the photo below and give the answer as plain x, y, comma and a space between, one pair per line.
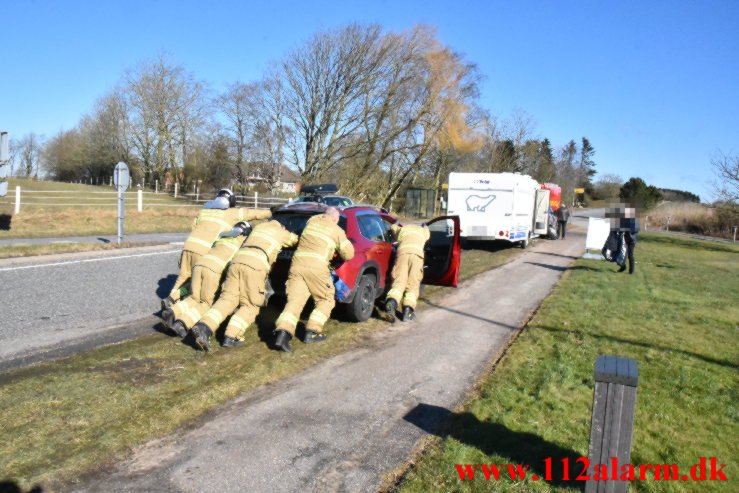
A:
286, 182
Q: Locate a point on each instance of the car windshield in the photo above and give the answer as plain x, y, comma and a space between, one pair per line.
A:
295, 222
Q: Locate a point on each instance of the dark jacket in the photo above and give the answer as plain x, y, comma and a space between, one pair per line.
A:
563, 214
631, 226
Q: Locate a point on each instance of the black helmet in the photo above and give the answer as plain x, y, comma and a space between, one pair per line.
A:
225, 192
245, 227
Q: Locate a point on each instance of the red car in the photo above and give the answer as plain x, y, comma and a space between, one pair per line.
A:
368, 273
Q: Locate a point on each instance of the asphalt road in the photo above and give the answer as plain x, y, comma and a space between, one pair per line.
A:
70, 302
343, 423
133, 238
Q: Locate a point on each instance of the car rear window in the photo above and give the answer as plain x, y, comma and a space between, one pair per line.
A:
295, 223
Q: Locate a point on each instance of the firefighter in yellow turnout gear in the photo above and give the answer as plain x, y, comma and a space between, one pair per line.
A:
206, 279
244, 286
408, 269
310, 276
217, 216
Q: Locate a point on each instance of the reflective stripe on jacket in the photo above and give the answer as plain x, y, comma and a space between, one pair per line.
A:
212, 222
320, 239
260, 249
411, 238
221, 254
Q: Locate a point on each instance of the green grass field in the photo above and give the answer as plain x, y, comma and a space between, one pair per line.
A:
67, 418
25, 250
678, 316
99, 217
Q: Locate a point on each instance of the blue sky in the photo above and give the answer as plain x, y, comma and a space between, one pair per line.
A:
653, 85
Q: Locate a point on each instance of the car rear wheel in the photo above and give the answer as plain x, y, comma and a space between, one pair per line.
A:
360, 309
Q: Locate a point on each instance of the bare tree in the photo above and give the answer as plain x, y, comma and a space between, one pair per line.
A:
26, 152
165, 106
726, 169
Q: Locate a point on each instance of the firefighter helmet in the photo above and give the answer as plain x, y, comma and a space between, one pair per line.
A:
225, 192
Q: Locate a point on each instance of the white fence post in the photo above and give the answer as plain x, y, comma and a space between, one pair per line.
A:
141, 199
256, 199
17, 199
156, 186
197, 193
175, 189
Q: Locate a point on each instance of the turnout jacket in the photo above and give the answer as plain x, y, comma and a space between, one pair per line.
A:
260, 249
411, 238
212, 222
319, 240
220, 254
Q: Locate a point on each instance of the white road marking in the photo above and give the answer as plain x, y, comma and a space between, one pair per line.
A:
86, 260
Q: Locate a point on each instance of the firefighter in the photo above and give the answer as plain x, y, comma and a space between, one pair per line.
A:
310, 276
408, 270
217, 216
245, 285
206, 278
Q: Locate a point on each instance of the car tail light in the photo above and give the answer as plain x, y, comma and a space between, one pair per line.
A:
500, 233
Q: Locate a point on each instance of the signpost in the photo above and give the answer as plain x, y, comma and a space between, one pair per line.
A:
121, 180
4, 158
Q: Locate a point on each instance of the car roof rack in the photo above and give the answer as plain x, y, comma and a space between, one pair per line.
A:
364, 205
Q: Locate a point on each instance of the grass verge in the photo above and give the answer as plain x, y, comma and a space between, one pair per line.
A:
25, 250
67, 418
677, 316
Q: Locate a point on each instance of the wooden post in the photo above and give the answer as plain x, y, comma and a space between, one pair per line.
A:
197, 194
17, 199
256, 199
156, 186
140, 199
612, 423
175, 189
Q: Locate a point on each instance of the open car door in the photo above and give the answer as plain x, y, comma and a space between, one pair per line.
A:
442, 252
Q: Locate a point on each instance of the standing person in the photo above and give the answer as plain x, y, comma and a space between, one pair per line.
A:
205, 281
310, 276
563, 217
245, 285
408, 270
217, 216
629, 227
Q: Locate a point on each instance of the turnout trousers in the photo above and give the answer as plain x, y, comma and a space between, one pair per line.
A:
243, 295
187, 262
407, 276
204, 284
305, 282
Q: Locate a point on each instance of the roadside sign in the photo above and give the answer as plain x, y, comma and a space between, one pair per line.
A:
4, 158
445, 186
121, 178
579, 190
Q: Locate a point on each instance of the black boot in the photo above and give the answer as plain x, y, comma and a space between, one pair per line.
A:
202, 333
178, 327
622, 268
390, 308
167, 302
408, 314
167, 318
282, 340
313, 336
229, 341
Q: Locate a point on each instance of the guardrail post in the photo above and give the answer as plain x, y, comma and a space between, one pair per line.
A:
175, 189
141, 199
612, 423
197, 194
17, 199
256, 199
156, 186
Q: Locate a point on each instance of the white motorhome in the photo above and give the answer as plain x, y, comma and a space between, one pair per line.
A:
498, 206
